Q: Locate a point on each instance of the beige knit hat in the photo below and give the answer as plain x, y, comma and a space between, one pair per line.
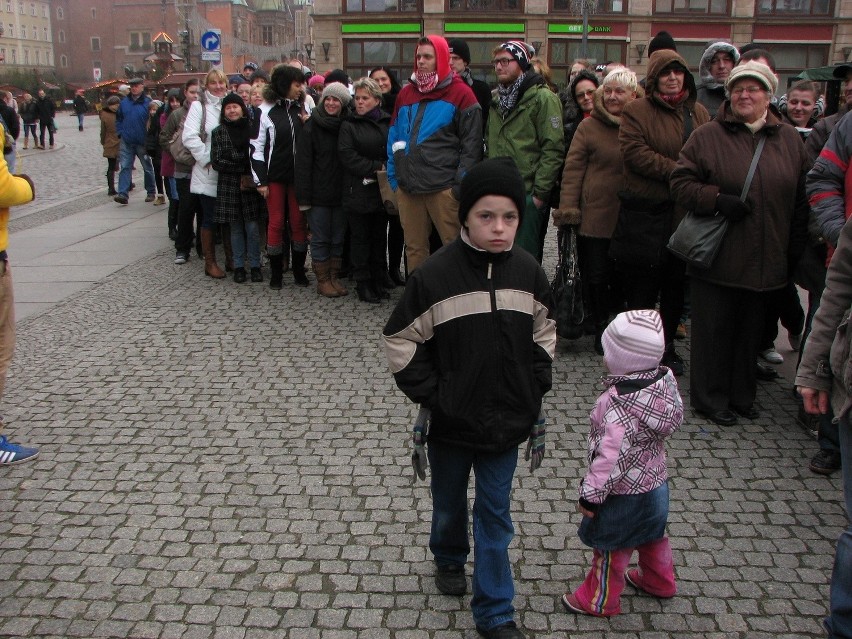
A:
336, 90
756, 70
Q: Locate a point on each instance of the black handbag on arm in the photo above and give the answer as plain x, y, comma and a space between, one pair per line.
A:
566, 288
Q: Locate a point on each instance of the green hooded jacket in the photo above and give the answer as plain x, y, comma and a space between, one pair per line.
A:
531, 134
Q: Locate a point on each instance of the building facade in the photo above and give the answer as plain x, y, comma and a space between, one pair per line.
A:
100, 39
26, 37
360, 34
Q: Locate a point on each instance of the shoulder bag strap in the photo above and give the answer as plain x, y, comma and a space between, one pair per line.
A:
753, 167
687, 123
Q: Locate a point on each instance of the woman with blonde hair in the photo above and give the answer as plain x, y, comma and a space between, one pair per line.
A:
203, 116
590, 184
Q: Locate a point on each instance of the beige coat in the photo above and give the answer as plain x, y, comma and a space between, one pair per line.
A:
109, 137
593, 176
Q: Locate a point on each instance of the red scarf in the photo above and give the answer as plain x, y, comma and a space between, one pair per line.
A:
426, 81
674, 100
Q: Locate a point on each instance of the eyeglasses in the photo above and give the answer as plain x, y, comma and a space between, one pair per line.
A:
584, 94
749, 90
502, 62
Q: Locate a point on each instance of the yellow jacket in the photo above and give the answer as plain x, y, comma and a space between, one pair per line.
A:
13, 191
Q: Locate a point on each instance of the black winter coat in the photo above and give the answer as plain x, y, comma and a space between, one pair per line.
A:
319, 174
274, 158
46, 109
11, 119
363, 151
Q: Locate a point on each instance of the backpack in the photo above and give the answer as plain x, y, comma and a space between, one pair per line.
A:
179, 152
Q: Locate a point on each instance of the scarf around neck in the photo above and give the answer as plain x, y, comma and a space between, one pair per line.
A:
674, 100
240, 132
508, 95
426, 81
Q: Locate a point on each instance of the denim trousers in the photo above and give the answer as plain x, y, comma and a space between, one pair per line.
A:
245, 237
10, 159
493, 587
80, 117
328, 228
839, 621
126, 157
208, 211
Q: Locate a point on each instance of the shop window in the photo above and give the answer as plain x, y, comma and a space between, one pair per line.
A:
564, 52
485, 5
361, 56
383, 6
604, 6
714, 7
795, 7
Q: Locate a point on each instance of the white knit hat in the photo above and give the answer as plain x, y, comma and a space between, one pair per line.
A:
633, 342
336, 90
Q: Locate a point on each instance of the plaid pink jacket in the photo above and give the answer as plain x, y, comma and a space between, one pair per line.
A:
629, 422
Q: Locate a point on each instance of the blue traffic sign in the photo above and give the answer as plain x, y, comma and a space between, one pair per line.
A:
210, 41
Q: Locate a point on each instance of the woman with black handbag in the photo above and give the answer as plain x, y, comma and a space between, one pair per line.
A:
590, 183
766, 234
653, 131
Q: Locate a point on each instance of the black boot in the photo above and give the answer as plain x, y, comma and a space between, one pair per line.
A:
366, 293
173, 218
276, 271
110, 176
599, 298
299, 275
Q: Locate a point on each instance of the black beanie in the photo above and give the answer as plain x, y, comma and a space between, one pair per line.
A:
495, 176
337, 75
460, 48
663, 40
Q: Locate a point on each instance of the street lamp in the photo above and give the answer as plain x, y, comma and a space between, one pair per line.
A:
309, 47
325, 48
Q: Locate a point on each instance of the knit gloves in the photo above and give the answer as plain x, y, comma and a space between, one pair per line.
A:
418, 457
535, 446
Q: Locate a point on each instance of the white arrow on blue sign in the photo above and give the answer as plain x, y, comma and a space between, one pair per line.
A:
210, 41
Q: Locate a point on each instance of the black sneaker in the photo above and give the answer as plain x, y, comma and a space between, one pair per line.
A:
256, 275
181, 257
450, 579
825, 462
504, 631
121, 199
239, 275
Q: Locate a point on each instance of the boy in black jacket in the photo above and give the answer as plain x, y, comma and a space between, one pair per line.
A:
472, 340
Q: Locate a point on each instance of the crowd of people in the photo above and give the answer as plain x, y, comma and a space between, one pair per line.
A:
464, 179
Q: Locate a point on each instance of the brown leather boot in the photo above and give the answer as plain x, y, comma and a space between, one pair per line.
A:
334, 272
208, 243
324, 286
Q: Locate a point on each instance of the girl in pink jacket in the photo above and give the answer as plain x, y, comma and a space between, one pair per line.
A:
624, 496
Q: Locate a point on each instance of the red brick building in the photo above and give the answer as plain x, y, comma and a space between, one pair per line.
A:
101, 39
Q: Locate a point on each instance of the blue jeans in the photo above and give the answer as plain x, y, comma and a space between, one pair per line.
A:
80, 117
126, 157
328, 227
493, 588
11, 159
172, 192
243, 239
839, 621
208, 211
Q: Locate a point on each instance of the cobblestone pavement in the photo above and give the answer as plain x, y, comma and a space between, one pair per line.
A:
229, 461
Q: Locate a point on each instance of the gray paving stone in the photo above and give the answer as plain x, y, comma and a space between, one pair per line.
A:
248, 477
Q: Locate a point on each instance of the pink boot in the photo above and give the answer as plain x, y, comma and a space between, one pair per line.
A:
655, 574
600, 593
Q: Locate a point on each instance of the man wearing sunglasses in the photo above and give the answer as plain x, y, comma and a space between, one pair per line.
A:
525, 123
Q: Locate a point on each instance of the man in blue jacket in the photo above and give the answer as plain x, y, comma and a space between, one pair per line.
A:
131, 123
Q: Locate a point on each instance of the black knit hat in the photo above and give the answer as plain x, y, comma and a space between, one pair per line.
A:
233, 98
495, 176
460, 48
663, 40
337, 75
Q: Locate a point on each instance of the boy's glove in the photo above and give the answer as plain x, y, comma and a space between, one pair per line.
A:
535, 445
418, 458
